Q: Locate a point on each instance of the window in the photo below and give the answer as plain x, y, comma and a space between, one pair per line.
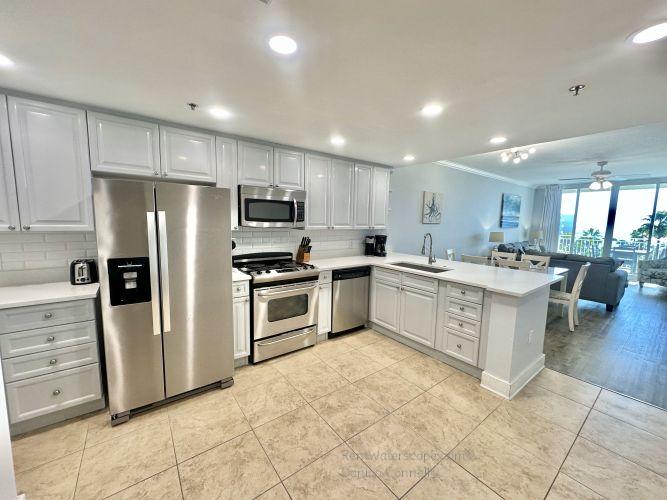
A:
568, 209
658, 247
590, 224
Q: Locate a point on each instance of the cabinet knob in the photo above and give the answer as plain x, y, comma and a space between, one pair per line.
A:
56, 392
463, 292
164, 174
48, 315
458, 345
461, 308
11, 227
155, 172
53, 361
50, 338
26, 227
460, 325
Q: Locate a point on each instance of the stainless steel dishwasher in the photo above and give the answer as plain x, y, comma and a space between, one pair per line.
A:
350, 298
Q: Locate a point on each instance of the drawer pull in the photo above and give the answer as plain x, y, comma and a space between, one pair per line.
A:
50, 338
48, 315
53, 361
460, 324
463, 292
56, 392
461, 308
459, 346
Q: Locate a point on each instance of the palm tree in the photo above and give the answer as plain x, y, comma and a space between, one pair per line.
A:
659, 227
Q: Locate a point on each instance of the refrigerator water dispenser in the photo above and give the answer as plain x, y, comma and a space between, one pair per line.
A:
129, 280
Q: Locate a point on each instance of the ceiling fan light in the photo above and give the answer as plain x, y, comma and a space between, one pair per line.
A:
606, 184
532, 151
505, 157
524, 156
516, 160
595, 186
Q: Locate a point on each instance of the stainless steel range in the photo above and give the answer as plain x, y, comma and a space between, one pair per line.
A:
284, 303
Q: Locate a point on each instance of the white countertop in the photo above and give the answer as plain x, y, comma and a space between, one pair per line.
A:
498, 280
239, 276
30, 295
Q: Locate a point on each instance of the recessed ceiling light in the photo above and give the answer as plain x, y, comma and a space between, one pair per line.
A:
409, 158
498, 140
431, 109
337, 140
651, 34
282, 44
220, 113
5, 62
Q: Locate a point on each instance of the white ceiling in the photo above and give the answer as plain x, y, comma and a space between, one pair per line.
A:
630, 152
363, 69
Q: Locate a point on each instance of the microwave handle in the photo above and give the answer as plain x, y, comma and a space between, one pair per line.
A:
296, 211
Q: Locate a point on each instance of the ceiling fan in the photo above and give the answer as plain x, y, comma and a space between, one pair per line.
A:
601, 177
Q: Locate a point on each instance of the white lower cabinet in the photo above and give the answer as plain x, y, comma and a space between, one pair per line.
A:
241, 319
324, 309
461, 346
418, 315
385, 304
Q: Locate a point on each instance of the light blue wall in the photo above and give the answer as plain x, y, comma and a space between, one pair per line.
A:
471, 208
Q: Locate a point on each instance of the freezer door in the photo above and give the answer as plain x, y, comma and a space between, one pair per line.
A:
127, 257
196, 281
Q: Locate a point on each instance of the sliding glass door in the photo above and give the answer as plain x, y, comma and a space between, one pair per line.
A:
658, 248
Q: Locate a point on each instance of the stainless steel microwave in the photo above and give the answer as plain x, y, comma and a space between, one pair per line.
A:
272, 207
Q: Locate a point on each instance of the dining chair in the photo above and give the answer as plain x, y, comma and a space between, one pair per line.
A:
451, 254
498, 256
522, 265
571, 299
475, 259
537, 260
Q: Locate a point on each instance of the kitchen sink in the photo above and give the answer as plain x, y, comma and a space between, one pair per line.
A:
420, 267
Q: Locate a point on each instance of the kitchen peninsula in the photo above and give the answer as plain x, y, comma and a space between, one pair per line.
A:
486, 321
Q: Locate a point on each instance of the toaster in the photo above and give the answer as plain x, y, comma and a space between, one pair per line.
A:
82, 272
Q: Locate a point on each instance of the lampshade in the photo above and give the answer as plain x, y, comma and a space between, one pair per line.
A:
536, 235
496, 237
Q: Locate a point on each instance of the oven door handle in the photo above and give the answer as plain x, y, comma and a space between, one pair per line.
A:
285, 290
273, 342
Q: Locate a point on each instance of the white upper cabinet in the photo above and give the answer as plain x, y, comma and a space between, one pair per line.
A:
255, 166
226, 178
123, 146
187, 155
9, 208
288, 169
52, 167
362, 196
342, 194
380, 198
317, 191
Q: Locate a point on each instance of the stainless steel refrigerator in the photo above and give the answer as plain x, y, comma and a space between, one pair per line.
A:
164, 253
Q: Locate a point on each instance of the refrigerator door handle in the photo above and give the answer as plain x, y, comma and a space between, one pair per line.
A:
153, 263
164, 270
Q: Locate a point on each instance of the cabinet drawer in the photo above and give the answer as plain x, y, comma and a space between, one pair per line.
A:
461, 346
43, 363
465, 292
464, 308
420, 282
462, 324
38, 396
42, 315
387, 275
46, 339
325, 277
240, 289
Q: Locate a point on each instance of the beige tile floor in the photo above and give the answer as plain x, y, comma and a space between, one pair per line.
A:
359, 417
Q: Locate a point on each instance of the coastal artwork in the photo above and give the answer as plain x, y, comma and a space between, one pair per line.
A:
510, 210
432, 208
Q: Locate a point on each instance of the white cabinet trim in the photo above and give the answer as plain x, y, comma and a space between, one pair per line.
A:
9, 214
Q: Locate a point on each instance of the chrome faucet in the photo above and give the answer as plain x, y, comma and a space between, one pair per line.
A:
431, 258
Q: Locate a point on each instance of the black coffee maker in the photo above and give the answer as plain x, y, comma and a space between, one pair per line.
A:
380, 245
369, 245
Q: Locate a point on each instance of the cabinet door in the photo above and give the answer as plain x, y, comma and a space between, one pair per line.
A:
317, 191
385, 305
324, 311
227, 164
380, 198
9, 208
418, 315
255, 164
241, 315
362, 196
187, 155
288, 169
123, 146
342, 194
52, 167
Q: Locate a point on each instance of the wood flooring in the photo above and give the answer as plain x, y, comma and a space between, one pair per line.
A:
625, 350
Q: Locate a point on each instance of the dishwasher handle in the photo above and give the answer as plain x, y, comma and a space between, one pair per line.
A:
351, 273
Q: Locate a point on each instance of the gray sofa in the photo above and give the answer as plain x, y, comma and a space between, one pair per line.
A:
605, 282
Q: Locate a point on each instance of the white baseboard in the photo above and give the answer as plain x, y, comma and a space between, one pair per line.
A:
509, 389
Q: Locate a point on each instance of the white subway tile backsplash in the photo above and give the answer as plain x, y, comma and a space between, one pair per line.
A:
66, 237
22, 256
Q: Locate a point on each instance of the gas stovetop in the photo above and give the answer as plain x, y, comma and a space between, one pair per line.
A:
273, 266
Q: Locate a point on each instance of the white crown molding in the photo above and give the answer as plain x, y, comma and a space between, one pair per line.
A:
483, 173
